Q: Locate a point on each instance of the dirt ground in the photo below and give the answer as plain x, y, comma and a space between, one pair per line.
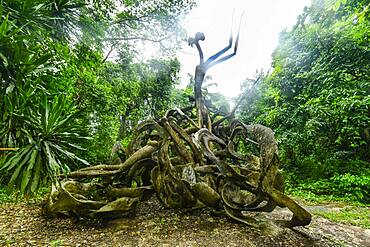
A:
153, 225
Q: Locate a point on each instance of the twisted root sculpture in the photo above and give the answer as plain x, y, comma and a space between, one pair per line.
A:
190, 158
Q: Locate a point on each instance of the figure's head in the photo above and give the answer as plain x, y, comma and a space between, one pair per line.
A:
199, 36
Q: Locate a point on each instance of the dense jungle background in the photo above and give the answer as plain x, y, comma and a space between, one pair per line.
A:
66, 103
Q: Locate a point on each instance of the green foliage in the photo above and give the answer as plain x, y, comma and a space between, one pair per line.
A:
57, 242
50, 137
16, 197
152, 20
24, 65
28, 119
52, 65
317, 97
114, 96
340, 187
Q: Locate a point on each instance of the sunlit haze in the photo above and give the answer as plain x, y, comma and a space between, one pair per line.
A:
262, 22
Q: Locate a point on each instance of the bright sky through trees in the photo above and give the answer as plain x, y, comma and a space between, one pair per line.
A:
262, 22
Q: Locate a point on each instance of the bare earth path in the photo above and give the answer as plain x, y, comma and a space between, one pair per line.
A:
23, 225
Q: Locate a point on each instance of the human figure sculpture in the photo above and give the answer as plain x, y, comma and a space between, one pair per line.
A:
201, 70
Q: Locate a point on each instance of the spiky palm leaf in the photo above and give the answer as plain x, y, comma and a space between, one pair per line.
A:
44, 158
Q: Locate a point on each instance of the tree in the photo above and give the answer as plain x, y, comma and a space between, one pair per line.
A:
317, 96
44, 55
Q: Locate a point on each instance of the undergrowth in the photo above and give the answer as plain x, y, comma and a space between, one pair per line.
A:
351, 188
16, 197
349, 192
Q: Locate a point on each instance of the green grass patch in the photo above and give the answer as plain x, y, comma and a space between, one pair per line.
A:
358, 216
311, 198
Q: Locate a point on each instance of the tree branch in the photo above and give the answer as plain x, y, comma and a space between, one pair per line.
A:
110, 51
137, 38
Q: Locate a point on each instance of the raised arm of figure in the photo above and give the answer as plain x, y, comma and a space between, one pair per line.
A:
213, 59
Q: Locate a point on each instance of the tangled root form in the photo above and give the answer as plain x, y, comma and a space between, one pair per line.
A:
231, 167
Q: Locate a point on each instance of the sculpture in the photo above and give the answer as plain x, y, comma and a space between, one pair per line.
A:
209, 161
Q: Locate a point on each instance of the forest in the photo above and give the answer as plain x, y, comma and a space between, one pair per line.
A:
74, 90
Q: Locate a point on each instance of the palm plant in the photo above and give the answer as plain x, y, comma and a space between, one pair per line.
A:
41, 130
50, 136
